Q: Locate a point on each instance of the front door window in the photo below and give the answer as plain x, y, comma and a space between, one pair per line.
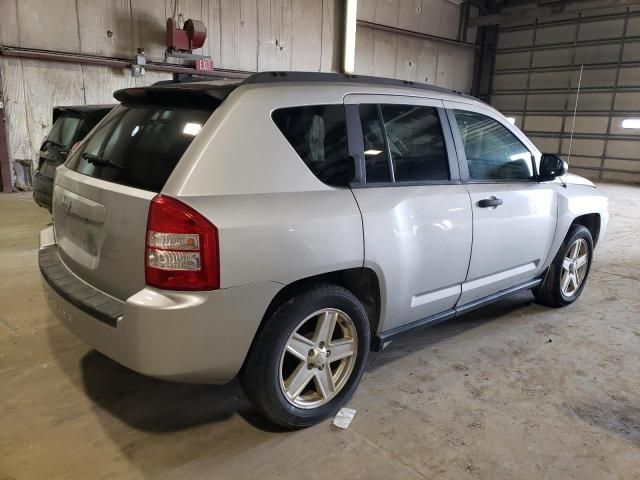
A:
492, 151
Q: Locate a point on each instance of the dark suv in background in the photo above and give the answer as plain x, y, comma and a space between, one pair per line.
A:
70, 125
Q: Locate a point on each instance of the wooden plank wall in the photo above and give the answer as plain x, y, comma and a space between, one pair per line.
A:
405, 57
242, 34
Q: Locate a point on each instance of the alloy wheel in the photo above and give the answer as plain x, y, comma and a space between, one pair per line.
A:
574, 267
318, 358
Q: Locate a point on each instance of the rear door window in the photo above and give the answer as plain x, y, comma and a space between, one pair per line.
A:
403, 143
416, 143
376, 154
318, 134
139, 145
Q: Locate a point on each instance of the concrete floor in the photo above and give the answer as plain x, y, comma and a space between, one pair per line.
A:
513, 391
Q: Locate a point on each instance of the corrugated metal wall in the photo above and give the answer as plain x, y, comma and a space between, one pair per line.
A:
536, 78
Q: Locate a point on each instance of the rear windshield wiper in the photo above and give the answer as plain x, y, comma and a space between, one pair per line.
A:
103, 162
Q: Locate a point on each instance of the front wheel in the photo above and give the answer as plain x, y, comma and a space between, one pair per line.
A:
308, 358
569, 270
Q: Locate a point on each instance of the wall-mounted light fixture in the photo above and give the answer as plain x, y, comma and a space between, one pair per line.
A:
349, 50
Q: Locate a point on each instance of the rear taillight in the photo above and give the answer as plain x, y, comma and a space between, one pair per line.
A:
182, 248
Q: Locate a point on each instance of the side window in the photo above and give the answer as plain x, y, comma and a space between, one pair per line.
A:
492, 151
318, 134
416, 143
376, 156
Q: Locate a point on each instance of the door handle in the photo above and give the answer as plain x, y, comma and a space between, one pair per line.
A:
490, 202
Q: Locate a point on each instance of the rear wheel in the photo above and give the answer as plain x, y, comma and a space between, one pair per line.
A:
569, 270
308, 358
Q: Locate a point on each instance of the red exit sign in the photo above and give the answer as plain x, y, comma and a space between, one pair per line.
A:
205, 64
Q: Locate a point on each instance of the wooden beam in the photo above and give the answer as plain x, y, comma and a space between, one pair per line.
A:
55, 56
5, 163
533, 10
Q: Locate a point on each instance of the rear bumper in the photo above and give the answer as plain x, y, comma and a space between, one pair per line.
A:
200, 337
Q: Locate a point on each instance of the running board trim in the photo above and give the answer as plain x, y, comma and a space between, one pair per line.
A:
381, 340
468, 307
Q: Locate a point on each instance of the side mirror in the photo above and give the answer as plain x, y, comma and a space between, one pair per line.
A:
551, 166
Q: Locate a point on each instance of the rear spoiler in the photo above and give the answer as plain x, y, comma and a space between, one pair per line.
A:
194, 96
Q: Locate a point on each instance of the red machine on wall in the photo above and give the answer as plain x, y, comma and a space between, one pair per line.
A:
186, 39
182, 41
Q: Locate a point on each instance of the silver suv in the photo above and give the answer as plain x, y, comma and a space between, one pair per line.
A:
282, 227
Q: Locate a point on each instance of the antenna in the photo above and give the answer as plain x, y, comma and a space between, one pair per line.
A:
575, 109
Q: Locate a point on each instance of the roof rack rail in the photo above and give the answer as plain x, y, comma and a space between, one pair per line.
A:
274, 77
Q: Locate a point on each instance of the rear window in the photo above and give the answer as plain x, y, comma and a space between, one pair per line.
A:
63, 132
318, 134
139, 145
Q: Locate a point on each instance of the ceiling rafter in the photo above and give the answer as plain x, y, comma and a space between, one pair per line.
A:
547, 9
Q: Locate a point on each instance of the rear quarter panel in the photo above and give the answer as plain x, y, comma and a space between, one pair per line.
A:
276, 220
283, 237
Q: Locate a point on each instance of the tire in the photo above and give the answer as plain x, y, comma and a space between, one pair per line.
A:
552, 292
275, 363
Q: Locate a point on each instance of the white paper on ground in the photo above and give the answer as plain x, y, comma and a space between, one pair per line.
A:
344, 417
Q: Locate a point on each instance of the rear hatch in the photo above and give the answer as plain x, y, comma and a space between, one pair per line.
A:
102, 194
67, 128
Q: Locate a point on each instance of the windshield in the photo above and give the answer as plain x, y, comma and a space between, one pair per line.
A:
64, 131
139, 145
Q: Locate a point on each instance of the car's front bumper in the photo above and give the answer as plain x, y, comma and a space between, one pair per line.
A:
198, 337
